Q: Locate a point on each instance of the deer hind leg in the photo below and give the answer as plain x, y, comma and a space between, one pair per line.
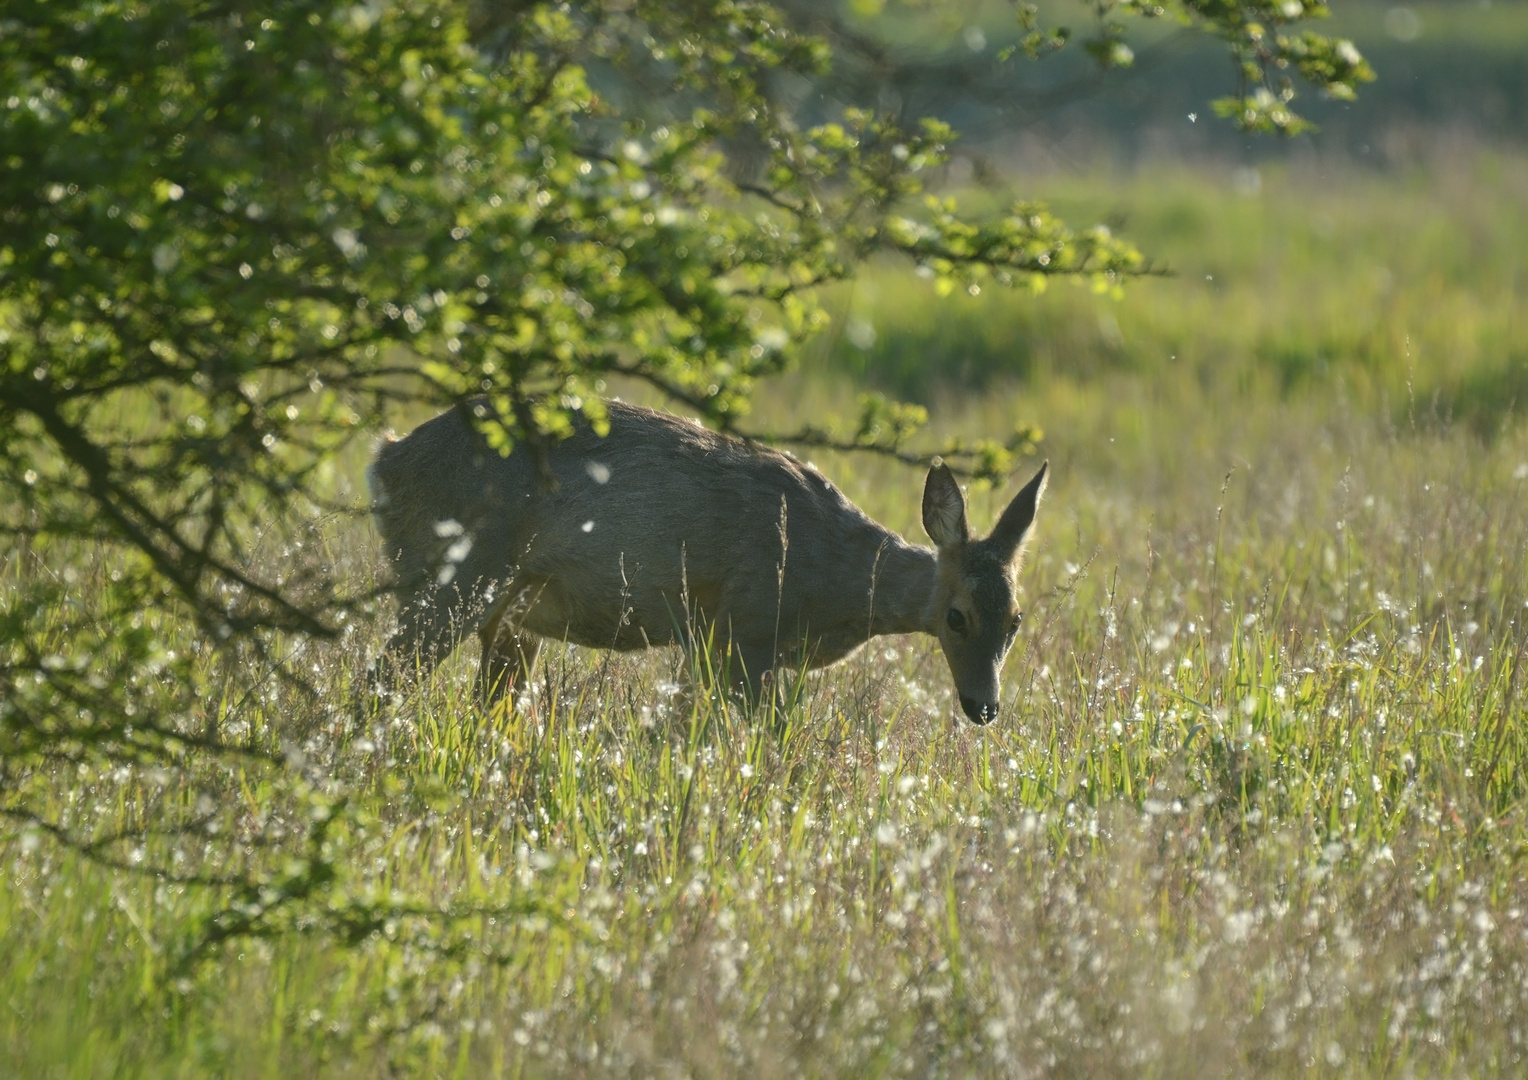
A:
508, 651
429, 626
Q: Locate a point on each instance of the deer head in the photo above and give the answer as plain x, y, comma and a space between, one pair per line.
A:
974, 611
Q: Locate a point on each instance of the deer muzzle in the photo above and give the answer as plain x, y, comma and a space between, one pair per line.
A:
978, 712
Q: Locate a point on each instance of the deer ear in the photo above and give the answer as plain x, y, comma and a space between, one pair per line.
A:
944, 508
1012, 529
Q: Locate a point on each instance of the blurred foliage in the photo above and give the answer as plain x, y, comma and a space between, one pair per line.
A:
1447, 70
1267, 59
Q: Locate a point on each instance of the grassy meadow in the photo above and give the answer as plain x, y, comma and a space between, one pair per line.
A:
1255, 804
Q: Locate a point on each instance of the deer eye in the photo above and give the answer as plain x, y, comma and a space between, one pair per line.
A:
956, 620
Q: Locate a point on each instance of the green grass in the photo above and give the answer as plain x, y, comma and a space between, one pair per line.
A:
1256, 805
1410, 291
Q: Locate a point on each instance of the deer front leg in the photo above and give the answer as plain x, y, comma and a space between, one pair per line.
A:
752, 675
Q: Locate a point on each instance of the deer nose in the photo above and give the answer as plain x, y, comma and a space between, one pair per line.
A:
980, 713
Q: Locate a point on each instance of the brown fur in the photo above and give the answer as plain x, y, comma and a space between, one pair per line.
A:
665, 532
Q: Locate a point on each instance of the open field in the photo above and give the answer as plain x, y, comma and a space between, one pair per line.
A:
1406, 290
1255, 805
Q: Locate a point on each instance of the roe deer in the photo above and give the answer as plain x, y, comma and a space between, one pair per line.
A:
663, 531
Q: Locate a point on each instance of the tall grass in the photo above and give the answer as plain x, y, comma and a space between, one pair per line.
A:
1255, 804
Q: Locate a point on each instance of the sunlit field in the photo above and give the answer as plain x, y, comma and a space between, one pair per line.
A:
1255, 804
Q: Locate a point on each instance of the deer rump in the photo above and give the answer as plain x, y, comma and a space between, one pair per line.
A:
662, 531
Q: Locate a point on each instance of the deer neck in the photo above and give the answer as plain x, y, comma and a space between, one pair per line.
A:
904, 582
